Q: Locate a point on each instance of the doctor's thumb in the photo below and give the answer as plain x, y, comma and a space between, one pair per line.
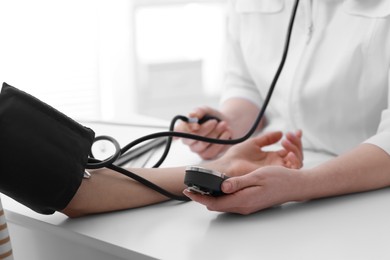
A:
232, 185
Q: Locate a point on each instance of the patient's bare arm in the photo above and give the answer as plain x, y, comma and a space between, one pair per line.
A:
107, 190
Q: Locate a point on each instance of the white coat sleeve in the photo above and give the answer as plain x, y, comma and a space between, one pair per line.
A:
382, 138
238, 81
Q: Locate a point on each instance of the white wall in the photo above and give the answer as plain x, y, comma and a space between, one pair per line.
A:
116, 59
70, 51
80, 56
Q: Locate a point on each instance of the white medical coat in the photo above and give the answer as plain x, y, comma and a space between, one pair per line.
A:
335, 83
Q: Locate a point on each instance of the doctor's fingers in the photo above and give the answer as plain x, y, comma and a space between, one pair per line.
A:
204, 130
219, 132
202, 199
234, 184
213, 150
210, 129
191, 127
243, 202
182, 127
292, 161
296, 139
293, 144
200, 112
267, 138
290, 147
220, 204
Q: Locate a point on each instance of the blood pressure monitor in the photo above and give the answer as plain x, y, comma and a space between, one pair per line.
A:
204, 181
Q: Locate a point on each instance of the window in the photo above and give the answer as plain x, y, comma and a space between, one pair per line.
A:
179, 48
105, 60
49, 49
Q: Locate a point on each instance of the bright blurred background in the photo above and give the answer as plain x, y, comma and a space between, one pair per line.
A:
108, 60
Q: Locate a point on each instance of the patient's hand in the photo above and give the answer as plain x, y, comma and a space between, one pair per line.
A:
248, 156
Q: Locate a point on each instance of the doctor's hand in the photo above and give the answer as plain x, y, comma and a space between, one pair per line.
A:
263, 188
247, 156
211, 128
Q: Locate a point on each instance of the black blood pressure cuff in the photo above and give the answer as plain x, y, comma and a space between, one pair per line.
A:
43, 153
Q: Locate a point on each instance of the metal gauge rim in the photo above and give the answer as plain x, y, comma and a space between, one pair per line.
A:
204, 170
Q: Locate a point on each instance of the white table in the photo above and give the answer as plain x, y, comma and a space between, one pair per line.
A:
348, 227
